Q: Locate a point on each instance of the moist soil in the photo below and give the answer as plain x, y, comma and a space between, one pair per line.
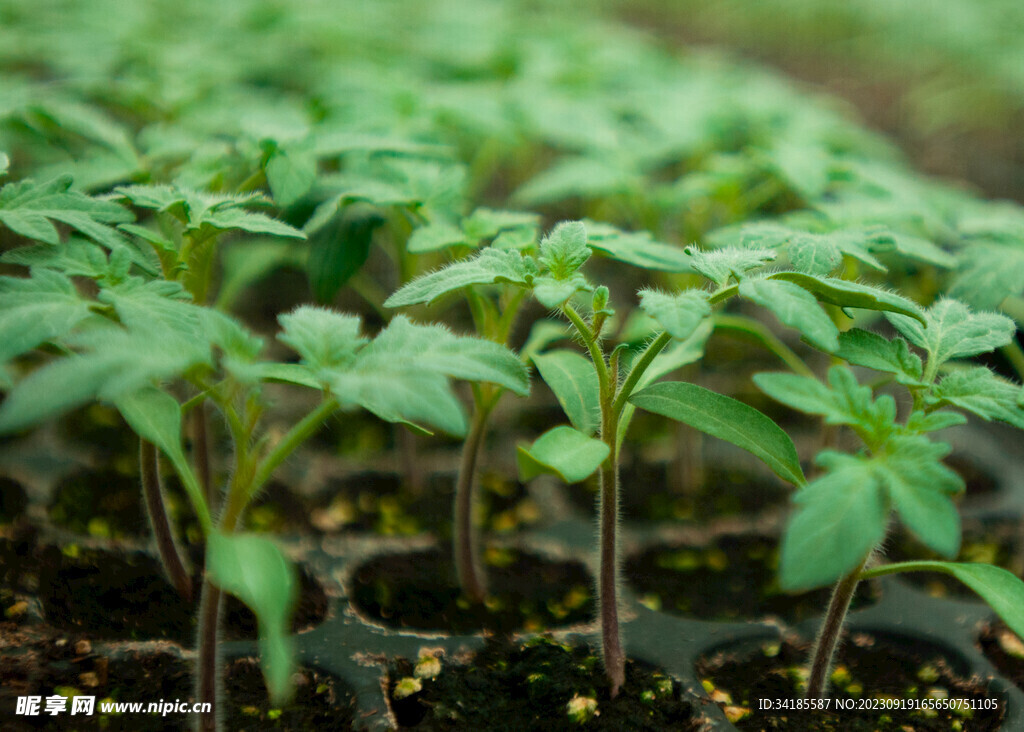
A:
419, 590
869, 671
730, 578
992, 541
534, 685
126, 596
1005, 650
66, 666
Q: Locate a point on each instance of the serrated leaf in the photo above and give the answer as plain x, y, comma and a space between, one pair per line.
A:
796, 308
563, 452
636, 248
490, 266
437, 236
840, 517
814, 254
76, 257
847, 294
953, 331
154, 305
564, 250
1002, 590
719, 265
679, 314
981, 392
872, 351
573, 380
30, 208
255, 571
727, 419
551, 292
37, 309
988, 274
339, 250
324, 338
919, 422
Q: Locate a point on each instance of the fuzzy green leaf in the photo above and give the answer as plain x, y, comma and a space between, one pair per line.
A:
324, 338
564, 452
719, 265
1002, 590
814, 255
37, 309
795, 307
851, 294
155, 416
437, 236
636, 248
919, 422
981, 392
727, 419
153, 306
564, 250
255, 571
76, 257
487, 223
679, 314
551, 292
953, 331
30, 208
573, 380
489, 267
867, 349
988, 274
840, 517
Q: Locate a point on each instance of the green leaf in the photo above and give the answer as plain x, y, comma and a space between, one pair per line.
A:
814, 255
487, 223
840, 517
920, 487
324, 338
551, 292
76, 257
727, 419
953, 331
564, 452
719, 265
981, 392
37, 309
290, 172
30, 208
490, 266
255, 571
867, 349
572, 378
437, 236
339, 250
847, 294
679, 314
564, 250
155, 416
1002, 590
795, 307
5, 163
636, 248
153, 306
919, 422
988, 274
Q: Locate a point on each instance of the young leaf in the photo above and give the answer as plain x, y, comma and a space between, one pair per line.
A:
981, 392
727, 419
950, 330
564, 452
847, 294
718, 265
155, 416
255, 571
680, 314
840, 517
636, 248
149, 307
864, 348
573, 380
988, 274
795, 307
325, 339
30, 208
551, 292
436, 236
565, 250
1002, 590
37, 309
337, 251
919, 422
489, 267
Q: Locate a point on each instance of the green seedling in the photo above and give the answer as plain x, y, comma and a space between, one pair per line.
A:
843, 515
146, 347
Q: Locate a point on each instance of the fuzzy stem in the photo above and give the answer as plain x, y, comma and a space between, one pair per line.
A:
466, 544
639, 367
287, 445
170, 556
608, 581
208, 684
831, 630
201, 445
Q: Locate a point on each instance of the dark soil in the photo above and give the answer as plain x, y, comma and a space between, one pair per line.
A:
649, 493
1005, 650
126, 596
419, 590
102, 503
998, 541
67, 667
13, 500
732, 578
534, 686
869, 670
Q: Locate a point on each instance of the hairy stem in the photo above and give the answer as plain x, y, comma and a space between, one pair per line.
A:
287, 444
208, 685
466, 545
608, 580
201, 447
639, 367
170, 556
828, 636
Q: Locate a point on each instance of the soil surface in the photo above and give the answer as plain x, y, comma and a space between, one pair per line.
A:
1005, 650
539, 684
870, 673
420, 590
732, 578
